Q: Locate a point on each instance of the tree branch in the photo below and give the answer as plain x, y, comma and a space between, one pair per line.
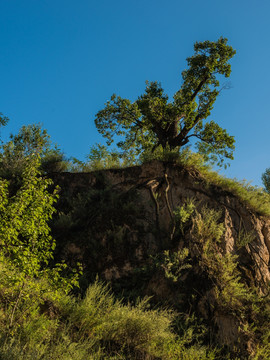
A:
199, 88
196, 135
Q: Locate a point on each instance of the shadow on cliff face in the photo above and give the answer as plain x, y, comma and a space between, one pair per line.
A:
161, 230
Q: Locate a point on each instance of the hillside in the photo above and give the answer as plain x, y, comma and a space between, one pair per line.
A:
165, 231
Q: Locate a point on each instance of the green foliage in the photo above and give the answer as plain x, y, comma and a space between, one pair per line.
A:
31, 140
175, 263
255, 198
26, 244
183, 214
3, 119
190, 327
252, 196
159, 153
24, 220
101, 157
263, 350
266, 180
53, 160
207, 228
244, 238
153, 121
231, 293
113, 323
250, 308
39, 320
95, 327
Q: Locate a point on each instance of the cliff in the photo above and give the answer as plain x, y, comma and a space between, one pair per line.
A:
164, 231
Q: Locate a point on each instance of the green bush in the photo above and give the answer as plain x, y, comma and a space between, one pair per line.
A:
54, 161
174, 263
231, 292
95, 327
183, 214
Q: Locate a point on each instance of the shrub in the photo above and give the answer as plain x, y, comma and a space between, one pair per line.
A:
54, 161
231, 293
95, 327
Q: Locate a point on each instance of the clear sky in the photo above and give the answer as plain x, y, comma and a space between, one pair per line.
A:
61, 60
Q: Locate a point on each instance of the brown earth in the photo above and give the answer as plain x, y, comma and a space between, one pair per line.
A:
118, 222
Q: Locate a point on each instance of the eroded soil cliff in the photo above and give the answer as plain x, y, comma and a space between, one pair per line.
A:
161, 230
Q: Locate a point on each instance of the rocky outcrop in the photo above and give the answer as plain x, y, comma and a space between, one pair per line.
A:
118, 223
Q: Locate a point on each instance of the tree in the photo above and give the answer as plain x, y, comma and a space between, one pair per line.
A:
266, 180
3, 119
24, 216
30, 141
26, 246
152, 120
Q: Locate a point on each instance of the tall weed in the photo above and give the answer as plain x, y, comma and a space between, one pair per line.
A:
231, 292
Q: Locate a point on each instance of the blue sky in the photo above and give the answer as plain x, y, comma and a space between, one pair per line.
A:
60, 61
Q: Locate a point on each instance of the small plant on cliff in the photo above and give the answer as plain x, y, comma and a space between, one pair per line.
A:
182, 214
231, 292
174, 263
249, 306
244, 238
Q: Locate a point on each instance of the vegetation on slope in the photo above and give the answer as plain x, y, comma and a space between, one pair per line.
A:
191, 260
254, 197
39, 320
52, 325
41, 314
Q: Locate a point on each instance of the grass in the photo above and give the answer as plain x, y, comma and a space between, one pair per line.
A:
54, 325
254, 197
257, 199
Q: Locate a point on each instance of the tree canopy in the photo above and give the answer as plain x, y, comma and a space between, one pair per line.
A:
3, 119
266, 180
31, 140
152, 120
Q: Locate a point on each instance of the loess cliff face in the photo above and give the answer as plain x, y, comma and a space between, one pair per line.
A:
161, 230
